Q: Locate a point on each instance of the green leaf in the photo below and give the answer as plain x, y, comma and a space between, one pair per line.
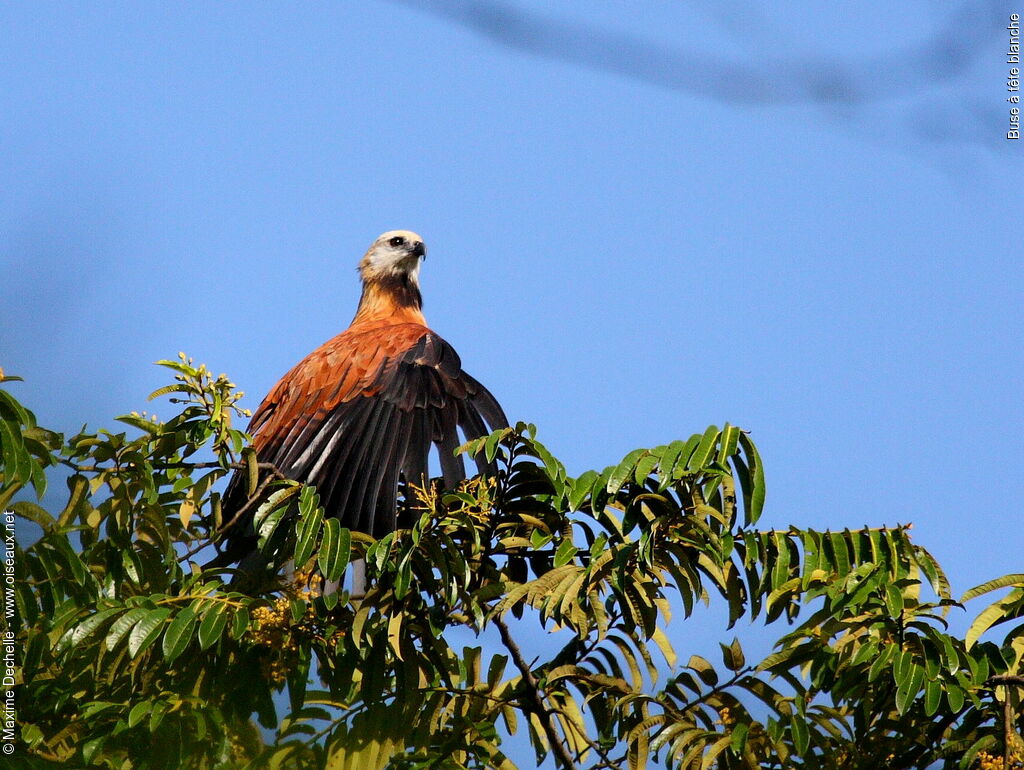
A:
728, 443
709, 759
298, 609
212, 626
32, 735
801, 736
580, 488
137, 421
932, 697
699, 459
752, 482
865, 652
269, 515
644, 467
178, 387
34, 513
1016, 579
157, 714
80, 632
936, 577
307, 529
252, 470
704, 670
78, 488
954, 697
984, 743
667, 462
566, 551
841, 552
903, 667
139, 712
894, 599
907, 692
91, 747
179, 633
146, 631
58, 542
492, 442
335, 550
553, 469
882, 661
732, 655
992, 615
120, 628
240, 622
623, 471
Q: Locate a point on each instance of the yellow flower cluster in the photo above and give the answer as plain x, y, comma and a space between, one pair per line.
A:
274, 627
988, 761
273, 624
427, 496
306, 584
480, 489
483, 503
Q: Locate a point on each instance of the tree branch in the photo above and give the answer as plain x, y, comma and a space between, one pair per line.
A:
1006, 679
275, 475
168, 466
533, 692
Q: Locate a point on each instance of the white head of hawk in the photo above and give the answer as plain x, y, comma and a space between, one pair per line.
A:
396, 253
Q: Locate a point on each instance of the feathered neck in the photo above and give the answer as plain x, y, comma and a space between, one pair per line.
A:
394, 298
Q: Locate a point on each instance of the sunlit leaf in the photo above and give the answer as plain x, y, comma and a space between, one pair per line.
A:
212, 625
146, 631
179, 633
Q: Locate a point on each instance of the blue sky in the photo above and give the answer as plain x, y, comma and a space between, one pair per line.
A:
623, 251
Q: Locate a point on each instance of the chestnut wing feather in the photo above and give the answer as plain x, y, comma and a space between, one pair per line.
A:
358, 415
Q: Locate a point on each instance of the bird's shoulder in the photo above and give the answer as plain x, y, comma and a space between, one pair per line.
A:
356, 361
368, 348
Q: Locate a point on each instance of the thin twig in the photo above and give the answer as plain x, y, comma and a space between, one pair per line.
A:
205, 543
534, 693
276, 475
594, 745
169, 466
1005, 679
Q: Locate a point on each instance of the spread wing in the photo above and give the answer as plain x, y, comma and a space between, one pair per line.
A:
361, 413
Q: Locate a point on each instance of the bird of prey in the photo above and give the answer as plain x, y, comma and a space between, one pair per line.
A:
361, 412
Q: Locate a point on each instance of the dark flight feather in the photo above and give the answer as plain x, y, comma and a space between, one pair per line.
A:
360, 415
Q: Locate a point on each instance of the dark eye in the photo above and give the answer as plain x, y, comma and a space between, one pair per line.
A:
398, 240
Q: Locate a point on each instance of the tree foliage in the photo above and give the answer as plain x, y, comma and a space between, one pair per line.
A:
134, 656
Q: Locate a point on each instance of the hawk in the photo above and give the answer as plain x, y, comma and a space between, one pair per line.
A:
359, 415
